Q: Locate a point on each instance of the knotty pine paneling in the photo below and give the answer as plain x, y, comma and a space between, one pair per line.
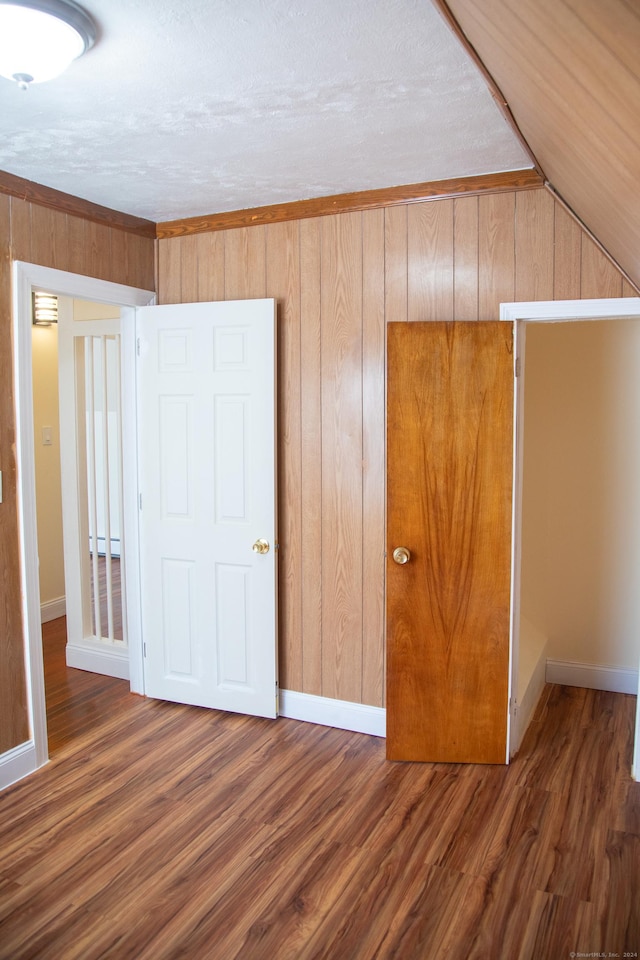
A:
338, 280
39, 234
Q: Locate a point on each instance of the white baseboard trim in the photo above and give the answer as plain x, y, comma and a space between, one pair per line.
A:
592, 675
17, 763
99, 658
102, 547
333, 713
53, 609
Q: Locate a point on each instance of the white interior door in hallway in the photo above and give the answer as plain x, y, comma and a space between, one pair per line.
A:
91, 458
207, 482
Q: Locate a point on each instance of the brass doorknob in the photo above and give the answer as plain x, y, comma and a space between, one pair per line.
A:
401, 555
261, 546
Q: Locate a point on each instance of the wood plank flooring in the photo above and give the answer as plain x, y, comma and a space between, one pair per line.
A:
164, 831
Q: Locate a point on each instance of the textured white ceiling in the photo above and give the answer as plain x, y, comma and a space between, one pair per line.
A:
188, 107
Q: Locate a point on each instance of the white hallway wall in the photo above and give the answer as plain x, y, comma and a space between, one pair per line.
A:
47, 463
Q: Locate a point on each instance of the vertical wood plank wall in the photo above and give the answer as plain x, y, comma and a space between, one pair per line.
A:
37, 234
338, 280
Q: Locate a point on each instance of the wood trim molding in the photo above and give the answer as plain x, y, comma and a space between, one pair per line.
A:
352, 202
527, 179
443, 8
626, 308
75, 206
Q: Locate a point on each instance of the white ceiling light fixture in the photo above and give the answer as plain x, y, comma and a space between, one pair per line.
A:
40, 38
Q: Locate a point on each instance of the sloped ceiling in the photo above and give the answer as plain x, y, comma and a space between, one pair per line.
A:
189, 108
570, 73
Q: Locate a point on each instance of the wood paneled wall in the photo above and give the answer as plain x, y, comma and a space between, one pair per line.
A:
338, 280
570, 74
38, 234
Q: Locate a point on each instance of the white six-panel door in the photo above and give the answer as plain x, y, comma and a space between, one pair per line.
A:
207, 473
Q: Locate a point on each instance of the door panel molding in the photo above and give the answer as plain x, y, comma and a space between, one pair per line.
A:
207, 469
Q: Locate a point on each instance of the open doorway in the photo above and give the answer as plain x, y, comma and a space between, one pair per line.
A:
579, 603
27, 278
78, 477
581, 511
577, 508
240, 445
78, 473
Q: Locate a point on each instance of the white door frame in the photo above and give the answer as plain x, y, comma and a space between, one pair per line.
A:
622, 308
27, 276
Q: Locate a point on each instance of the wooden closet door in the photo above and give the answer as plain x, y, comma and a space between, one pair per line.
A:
449, 495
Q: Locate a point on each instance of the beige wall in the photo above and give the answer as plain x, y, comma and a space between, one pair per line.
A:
44, 343
581, 496
86, 310
47, 457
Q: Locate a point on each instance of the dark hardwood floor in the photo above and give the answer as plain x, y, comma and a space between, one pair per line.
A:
163, 831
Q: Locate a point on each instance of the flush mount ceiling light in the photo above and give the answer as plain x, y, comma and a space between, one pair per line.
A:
40, 38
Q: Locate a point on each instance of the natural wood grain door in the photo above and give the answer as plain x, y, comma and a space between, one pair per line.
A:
449, 495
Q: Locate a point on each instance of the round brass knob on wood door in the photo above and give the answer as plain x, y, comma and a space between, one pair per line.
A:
402, 555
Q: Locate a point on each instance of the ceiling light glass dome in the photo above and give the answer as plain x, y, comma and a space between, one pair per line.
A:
40, 38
